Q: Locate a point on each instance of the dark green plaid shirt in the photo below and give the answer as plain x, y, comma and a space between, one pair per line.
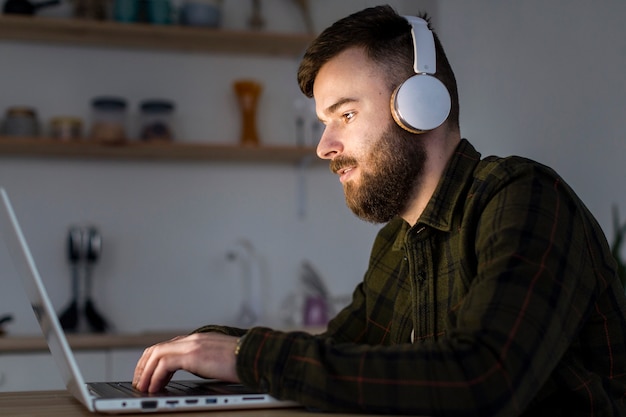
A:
502, 300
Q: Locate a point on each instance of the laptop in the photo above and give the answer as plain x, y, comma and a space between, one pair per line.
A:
116, 397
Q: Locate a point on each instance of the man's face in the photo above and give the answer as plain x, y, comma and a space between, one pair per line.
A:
390, 174
378, 163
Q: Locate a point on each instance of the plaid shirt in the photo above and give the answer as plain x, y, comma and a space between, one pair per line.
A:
502, 300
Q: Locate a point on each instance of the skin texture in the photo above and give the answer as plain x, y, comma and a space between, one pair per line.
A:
352, 100
210, 355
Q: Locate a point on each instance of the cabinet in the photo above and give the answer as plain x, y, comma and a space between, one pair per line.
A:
150, 37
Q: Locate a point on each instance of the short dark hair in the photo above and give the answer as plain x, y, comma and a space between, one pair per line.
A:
386, 38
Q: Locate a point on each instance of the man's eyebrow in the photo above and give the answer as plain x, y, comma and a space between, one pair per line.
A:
333, 107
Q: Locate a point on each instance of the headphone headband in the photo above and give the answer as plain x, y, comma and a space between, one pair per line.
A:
425, 57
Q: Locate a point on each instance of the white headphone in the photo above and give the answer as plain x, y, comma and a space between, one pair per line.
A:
422, 102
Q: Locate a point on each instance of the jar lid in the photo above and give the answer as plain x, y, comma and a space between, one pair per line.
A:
157, 106
21, 111
66, 121
109, 103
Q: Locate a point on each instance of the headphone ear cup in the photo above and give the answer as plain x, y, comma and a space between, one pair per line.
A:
420, 103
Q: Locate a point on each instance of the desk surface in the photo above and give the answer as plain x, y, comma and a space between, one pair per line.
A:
62, 404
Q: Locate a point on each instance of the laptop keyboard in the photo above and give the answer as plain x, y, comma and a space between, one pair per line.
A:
174, 388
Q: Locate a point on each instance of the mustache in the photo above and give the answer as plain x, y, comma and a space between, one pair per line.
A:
341, 162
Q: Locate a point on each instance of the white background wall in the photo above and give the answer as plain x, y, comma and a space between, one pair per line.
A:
545, 79
540, 79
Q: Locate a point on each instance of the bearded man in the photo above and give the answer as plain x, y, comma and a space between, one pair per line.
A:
491, 289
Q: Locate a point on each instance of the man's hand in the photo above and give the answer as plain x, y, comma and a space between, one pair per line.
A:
208, 355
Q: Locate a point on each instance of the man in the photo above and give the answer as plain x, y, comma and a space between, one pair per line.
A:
491, 289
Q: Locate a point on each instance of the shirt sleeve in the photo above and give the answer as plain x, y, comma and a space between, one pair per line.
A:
227, 330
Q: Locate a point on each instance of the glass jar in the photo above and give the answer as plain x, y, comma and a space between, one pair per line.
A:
21, 121
66, 128
108, 119
156, 120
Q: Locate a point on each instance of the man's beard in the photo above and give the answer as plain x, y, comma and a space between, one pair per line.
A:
394, 169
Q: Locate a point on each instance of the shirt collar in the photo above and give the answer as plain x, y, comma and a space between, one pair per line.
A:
440, 208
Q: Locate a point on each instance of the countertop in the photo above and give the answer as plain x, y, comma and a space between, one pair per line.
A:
35, 343
99, 341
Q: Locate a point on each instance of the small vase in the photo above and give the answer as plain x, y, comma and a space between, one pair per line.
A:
248, 93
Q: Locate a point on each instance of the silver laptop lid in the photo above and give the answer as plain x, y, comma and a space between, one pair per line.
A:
40, 302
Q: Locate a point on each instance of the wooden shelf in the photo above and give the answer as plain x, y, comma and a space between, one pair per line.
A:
21, 344
151, 37
177, 151
145, 36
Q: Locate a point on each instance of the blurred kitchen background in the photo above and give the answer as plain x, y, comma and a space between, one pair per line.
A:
539, 79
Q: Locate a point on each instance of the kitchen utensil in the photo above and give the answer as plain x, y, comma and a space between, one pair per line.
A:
84, 248
313, 281
317, 308
251, 310
69, 317
25, 6
63, 10
300, 107
5, 319
91, 9
256, 21
93, 249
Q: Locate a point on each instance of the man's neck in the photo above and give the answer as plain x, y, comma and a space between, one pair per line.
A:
440, 146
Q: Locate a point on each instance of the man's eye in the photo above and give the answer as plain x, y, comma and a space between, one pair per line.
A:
348, 116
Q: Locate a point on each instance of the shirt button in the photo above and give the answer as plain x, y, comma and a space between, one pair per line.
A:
264, 384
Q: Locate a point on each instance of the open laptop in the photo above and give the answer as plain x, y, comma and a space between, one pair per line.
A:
115, 397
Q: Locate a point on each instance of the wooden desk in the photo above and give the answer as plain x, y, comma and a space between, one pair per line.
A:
62, 404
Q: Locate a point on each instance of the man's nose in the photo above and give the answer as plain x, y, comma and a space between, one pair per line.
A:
329, 145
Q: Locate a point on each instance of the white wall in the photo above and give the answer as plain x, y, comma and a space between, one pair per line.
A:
168, 225
545, 79
540, 79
